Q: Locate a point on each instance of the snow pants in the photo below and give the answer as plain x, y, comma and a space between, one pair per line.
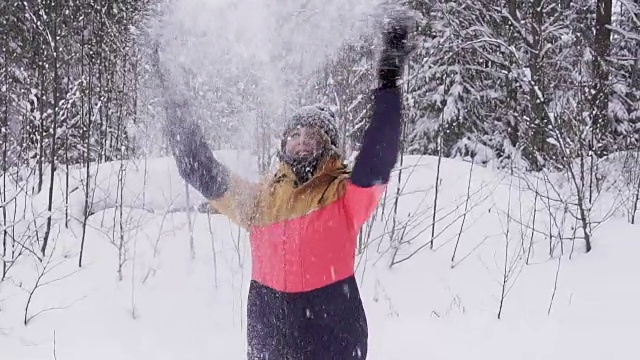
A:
326, 323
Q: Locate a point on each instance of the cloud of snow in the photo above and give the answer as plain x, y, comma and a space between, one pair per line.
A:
241, 57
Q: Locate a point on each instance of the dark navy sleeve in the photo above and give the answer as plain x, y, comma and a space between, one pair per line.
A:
381, 140
194, 159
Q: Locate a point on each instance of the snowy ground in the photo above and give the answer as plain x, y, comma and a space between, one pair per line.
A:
175, 300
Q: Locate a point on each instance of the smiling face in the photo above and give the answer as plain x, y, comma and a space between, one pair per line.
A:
305, 143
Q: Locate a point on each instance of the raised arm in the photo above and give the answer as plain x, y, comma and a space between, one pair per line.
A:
380, 143
227, 193
381, 139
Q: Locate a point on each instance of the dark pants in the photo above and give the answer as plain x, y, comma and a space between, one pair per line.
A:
327, 323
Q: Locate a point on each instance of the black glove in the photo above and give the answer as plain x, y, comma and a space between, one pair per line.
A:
195, 161
395, 52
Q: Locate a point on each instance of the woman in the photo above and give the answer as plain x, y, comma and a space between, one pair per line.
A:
303, 300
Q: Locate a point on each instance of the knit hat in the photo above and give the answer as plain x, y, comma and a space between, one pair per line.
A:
318, 116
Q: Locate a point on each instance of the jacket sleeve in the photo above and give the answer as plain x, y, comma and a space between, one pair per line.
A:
226, 192
237, 202
381, 140
377, 157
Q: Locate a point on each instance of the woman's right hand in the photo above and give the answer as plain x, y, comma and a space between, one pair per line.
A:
396, 50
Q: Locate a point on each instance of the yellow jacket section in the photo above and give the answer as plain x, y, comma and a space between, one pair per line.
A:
277, 198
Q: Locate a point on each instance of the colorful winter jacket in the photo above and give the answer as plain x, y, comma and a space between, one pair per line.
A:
304, 238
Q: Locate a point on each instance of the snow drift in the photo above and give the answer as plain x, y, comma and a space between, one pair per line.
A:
160, 281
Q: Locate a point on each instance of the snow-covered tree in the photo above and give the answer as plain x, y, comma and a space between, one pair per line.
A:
69, 85
624, 107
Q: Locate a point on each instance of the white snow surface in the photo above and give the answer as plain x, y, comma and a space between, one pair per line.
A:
175, 302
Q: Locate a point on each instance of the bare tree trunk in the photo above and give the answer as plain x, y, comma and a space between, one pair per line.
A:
506, 271
86, 121
636, 195
66, 150
464, 216
134, 314
536, 92
4, 130
555, 285
122, 248
636, 199
54, 134
533, 223
437, 190
192, 249
395, 239
600, 99
41, 127
213, 251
